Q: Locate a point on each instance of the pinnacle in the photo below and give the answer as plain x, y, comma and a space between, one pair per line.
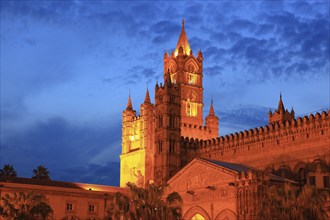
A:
211, 113
147, 98
183, 41
129, 103
280, 104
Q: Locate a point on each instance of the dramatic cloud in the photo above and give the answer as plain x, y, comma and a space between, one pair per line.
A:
68, 66
242, 118
58, 144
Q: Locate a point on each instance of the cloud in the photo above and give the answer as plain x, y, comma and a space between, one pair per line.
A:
58, 144
213, 71
107, 174
164, 31
240, 118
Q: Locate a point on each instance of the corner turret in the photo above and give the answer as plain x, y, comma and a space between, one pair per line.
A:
212, 122
280, 114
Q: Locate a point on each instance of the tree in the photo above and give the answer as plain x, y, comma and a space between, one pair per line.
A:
119, 207
148, 203
20, 205
8, 171
41, 173
174, 205
288, 202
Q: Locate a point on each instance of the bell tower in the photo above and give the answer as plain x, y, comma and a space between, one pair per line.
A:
186, 70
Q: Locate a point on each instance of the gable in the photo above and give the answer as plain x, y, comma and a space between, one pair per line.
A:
200, 174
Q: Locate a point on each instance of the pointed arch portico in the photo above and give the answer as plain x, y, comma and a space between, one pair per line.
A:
195, 211
226, 214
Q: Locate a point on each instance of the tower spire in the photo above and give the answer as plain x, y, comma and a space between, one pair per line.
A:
280, 104
129, 103
147, 97
211, 113
183, 41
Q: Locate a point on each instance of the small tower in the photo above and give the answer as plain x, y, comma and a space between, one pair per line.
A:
127, 117
280, 114
147, 135
212, 122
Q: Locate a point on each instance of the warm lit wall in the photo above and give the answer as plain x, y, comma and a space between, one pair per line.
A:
130, 165
205, 190
59, 197
297, 140
200, 132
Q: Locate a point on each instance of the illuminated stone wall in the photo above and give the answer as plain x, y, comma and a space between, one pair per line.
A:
292, 142
68, 200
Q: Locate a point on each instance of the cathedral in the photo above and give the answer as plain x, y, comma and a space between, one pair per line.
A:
170, 142
217, 176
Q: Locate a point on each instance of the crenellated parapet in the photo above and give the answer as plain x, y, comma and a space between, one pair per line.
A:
204, 132
307, 133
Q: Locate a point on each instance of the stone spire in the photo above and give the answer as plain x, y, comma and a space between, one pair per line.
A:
211, 113
280, 104
183, 41
147, 98
129, 103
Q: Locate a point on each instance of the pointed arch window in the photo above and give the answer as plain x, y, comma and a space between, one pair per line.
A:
191, 79
160, 121
160, 146
191, 108
172, 149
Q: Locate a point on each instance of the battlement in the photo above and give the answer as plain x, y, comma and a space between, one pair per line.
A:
269, 135
162, 87
193, 130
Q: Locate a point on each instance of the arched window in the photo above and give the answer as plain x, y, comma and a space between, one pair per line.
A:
198, 217
246, 201
160, 146
160, 121
188, 108
172, 149
241, 201
191, 108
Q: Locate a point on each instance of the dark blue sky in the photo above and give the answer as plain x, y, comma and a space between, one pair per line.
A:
67, 68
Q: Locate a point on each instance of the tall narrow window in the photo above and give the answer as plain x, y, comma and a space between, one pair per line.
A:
241, 201
160, 146
188, 108
312, 180
247, 201
326, 182
160, 121
171, 146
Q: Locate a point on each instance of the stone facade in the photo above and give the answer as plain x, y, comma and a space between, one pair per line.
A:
165, 140
69, 201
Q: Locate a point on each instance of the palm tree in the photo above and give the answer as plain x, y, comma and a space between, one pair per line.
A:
174, 205
119, 207
8, 171
25, 206
41, 173
311, 203
148, 203
287, 202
